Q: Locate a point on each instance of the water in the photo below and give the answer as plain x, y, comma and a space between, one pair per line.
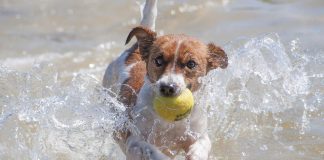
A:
268, 104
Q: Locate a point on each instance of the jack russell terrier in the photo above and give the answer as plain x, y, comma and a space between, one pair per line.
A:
165, 66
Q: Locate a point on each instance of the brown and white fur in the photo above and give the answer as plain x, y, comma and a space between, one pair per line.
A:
161, 65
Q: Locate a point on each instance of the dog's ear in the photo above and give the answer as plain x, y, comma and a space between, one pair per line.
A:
145, 38
216, 57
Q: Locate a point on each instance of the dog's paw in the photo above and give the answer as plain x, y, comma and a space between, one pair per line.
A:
153, 153
134, 152
198, 151
138, 150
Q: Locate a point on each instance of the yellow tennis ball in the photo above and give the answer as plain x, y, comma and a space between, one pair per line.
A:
174, 108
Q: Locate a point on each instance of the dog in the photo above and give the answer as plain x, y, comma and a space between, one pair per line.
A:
165, 66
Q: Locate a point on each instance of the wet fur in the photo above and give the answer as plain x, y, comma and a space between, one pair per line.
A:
139, 77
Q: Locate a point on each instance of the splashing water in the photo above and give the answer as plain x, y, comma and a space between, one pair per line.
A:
267, 103
42, 119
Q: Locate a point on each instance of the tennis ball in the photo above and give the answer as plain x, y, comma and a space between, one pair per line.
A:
174, 108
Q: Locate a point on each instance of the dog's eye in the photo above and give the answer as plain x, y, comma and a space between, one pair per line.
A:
191, 64
159, 61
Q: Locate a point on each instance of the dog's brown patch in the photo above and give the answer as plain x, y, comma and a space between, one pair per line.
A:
134, 55
132, 85
216, 57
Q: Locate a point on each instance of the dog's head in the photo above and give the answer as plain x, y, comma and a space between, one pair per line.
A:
175, 62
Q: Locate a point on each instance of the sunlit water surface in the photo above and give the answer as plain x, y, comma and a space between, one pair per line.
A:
268, 104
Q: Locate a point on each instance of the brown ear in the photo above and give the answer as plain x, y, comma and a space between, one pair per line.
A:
216, 57
145, 38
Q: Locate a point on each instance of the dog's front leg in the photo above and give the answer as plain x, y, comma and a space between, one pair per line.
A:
141, 150
200, 149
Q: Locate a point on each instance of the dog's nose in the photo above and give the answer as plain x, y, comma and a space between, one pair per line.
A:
170, 89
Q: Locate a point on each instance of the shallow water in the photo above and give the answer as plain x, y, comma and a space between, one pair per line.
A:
268, 104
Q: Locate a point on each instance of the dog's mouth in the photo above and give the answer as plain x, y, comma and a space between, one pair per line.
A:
189, 86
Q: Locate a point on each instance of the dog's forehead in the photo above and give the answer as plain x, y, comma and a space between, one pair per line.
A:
174, 39
180, 45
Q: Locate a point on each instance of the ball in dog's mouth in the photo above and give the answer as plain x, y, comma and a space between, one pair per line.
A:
174, 108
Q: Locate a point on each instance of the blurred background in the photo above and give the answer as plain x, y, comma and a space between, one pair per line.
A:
53, 54
34, 27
